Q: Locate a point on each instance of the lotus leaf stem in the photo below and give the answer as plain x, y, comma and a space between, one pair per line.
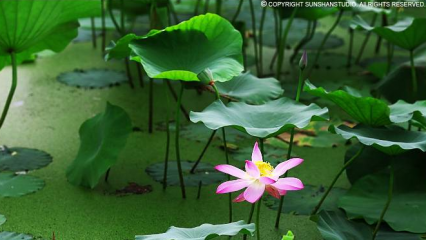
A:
324, 40
283, 42
308, 37
103, 26
140, 75
92, 25
197, 5
389, 200
151, 105
166, 158
253, 26
203, 152
367, 38
318, 206
413, 73
234, 18
114, 21
12, 88
129, 74
179, 166
262, 23
175, 97
351, 44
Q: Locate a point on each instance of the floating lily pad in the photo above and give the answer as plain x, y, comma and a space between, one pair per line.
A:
93, 78
407, 209
390, 140
303, 202
333, 225
12, 185
203, 232
251, 89
23, 159
267, 120
102, 138
2, 219
190, 47
407, 33
14, 236
204, 173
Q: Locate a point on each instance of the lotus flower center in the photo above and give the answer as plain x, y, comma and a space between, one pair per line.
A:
265, 168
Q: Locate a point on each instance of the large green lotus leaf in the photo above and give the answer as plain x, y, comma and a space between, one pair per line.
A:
251, 89
183, 51
26, 24
303, 202
390, 140
402, 111
408, 207
203, 232
266, 120
408, 33
101, 140
2, 219
23, 159
120, 49
397, 84
12, 185
333, 225
14, 236
308, 13
366, 110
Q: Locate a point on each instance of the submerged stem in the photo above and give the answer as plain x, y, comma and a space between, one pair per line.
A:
282, 44
389, 200
413, 73
12, 88
318, 206
179, 166
327, 35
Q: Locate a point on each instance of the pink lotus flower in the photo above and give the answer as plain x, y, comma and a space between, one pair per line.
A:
258, 177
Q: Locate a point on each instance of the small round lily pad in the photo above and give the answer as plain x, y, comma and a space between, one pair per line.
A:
12, 185
92, 78
23, 159
303, 202
204, 173
14, 236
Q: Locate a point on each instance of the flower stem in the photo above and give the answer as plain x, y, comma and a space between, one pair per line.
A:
203, 152
290, 148
12, 88
390, 192
324, 40
166, 158
237, 12
283, 42
253, 25
259, 203
413, 73
179, 102
318, 206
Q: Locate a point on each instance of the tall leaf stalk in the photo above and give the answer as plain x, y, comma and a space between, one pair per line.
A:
12, 88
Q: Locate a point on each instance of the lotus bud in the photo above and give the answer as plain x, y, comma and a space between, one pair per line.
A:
303, 61
206, 77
